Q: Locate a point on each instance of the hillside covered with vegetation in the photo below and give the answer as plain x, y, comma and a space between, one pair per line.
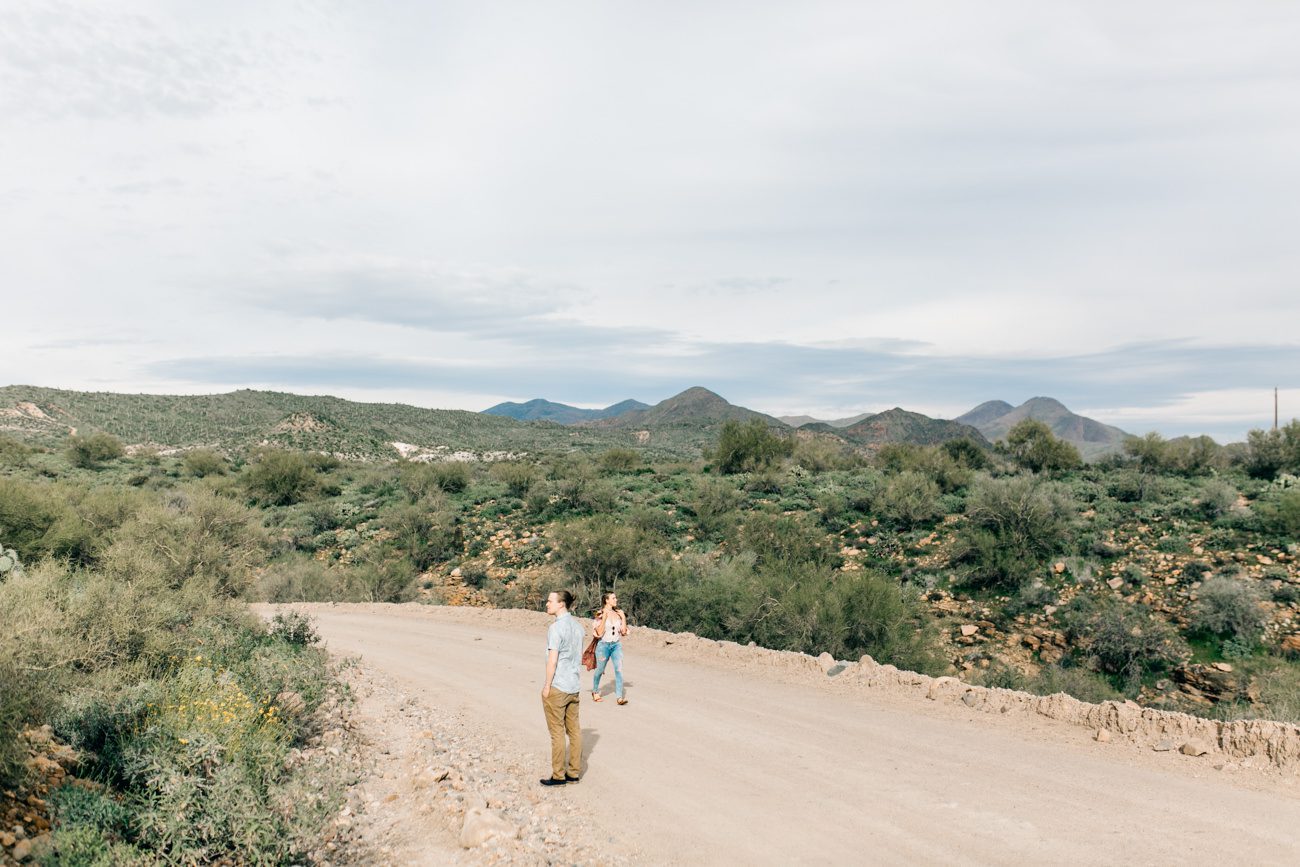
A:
1169, 574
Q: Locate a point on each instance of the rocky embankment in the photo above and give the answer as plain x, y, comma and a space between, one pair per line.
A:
429, 787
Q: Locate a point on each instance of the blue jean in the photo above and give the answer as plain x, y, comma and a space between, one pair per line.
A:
605, 651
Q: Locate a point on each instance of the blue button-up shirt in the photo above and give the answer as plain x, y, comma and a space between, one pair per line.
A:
565, 635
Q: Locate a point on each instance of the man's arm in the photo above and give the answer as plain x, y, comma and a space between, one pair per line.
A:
552, 659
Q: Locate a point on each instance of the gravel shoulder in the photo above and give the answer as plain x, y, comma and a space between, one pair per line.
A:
731, 755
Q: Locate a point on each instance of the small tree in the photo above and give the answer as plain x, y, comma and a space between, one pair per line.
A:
1273, 451
1032, 445
744, 447
204, 462
89, 452
280, 478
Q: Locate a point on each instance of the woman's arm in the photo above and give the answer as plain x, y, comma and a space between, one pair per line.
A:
599, 625
622, 617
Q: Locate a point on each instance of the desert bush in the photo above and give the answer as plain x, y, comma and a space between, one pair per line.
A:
599, 553
1079, 682
279, 478
528, 589
1013, 526
1279, 513
619, 460
1031, 444
89, 452
516, 476
1217, 498
204, 462
195, 540
293, 628
714, 503
13, 453
820, 455
966, 454
1230, 609
785, 541
425, 532
1270, 452
1122, 640
744, 447
909, 498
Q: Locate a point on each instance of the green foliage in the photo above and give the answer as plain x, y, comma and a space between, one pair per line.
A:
1230, 609
821, 455
89, 452
909, 499
619, 460
966, 454
205, 462
785, 542
1270, 452
1013, 526
1032, 445
715, 503
279, 478
1122, 640
518, 477
599, 553
1280, 514
425, 532
13, 453
745, 447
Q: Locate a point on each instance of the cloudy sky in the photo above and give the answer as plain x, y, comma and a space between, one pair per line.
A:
820, 207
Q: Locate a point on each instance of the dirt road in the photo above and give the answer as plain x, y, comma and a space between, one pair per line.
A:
716, 765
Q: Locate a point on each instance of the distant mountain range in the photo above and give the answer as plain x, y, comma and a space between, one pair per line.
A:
1092, 438
681, 425
991, 419
540, 409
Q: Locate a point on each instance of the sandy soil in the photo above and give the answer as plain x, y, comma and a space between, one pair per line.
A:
720, 760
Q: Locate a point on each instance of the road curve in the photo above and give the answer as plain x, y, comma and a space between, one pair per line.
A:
708, 765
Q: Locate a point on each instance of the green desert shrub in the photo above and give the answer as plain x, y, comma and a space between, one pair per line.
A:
1013, 526
91, 451
909, 498
280, 478
1031, 444
1230, 609
426, 532
1122, 640
201, 463
13, 453
715, 504
785, 541
1279, 514
745, 447
819, 455
599, 553
518, 477
619, 460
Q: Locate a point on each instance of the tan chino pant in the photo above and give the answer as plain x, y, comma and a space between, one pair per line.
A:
561, 710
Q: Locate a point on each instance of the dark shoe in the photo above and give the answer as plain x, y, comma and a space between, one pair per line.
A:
569, 779
548, 781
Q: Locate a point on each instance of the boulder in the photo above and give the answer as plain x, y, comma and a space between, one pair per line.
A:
1194, 747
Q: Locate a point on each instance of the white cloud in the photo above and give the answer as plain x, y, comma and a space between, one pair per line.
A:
682, 193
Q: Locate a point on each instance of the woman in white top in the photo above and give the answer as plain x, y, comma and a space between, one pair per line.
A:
611, 626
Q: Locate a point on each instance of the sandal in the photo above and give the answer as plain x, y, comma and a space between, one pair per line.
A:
622, 701
595, 696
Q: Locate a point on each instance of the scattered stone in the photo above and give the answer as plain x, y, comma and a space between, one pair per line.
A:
969, 629
1058, 567
1115, 583
970, 699
1102, 736
1194, 747
1164, 746
482, 825
22, 850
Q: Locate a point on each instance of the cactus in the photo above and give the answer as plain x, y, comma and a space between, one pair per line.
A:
9, 563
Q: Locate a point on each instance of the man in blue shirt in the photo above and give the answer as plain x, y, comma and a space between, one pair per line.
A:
562, 688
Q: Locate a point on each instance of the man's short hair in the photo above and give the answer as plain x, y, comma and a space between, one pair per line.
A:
565, 596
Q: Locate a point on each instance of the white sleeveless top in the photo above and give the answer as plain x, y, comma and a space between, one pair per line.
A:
613, 629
